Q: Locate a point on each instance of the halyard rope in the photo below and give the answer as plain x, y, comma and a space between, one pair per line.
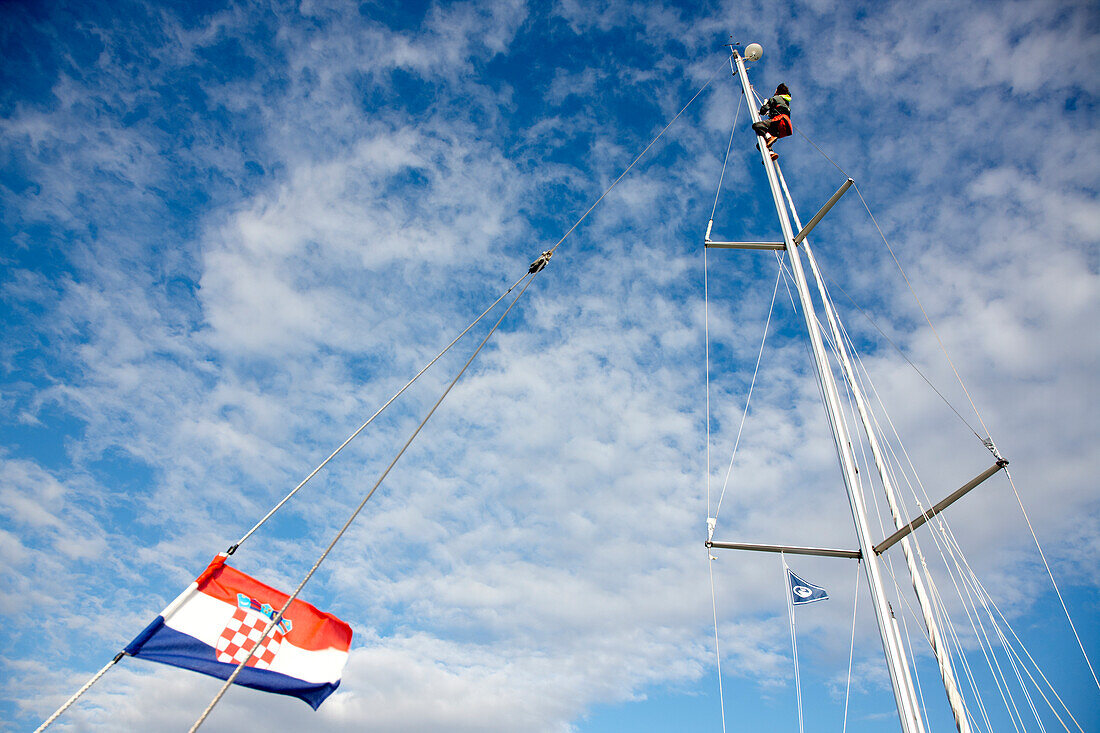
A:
717, 653
851, 648
706, 342
794, 639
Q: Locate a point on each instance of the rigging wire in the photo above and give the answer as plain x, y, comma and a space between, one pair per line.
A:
549, 253
953, 547
988, 444
706, 297
279, 616
1012, 656
850, 388
647, 147
811, 142
990, 655
76, 695
988, 599
544, 258
850, 400
706, 311
733, 129
900, 352
851, 647
706, 348
748, 397
233, 548
1050, 574
987, 441
927, 318
717, 652
706, 338
794, 638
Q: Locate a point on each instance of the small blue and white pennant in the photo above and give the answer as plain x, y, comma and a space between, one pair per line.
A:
803, 591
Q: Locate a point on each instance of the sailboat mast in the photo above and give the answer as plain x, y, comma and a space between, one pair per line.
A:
896, 662
935, 638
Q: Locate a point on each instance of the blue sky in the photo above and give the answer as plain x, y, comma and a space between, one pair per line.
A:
231, 231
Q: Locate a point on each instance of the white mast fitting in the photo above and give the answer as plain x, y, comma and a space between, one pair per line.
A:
896, 661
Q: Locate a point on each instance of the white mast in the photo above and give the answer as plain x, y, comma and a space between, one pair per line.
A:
939, 649
896, 662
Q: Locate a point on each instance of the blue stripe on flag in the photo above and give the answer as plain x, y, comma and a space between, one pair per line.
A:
161, 643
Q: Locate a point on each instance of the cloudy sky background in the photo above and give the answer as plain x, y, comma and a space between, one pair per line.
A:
231, 231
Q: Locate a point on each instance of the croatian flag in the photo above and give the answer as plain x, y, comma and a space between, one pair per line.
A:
803, 591
216, 622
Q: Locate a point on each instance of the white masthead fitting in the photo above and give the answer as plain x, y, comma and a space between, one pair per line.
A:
753, 52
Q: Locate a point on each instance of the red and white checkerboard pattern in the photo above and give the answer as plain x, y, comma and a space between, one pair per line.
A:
240, 636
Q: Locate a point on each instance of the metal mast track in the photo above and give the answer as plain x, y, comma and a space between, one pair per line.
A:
896, 661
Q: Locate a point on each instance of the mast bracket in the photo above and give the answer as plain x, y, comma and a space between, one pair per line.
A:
788, 549
824, 210
951, 498
744, 245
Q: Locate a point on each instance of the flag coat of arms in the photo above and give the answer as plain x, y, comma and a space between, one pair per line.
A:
219, 618
803, 591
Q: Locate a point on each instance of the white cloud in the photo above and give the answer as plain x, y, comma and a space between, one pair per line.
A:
538, 552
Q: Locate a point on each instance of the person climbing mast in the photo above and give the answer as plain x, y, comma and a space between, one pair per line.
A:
778, 111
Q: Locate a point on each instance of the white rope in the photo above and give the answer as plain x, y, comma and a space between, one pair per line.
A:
729, 145
908, 644
938, 605
988, 603
1012, 659
902, 354
1023, 648
983, 639
957, 644
927, 318
706, 342
794, 639
989, 656
1050, 574
982, 594
913, 656
706, 338
717, 652
279, 616
910, 286
748, 397
851, 648
706, 301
